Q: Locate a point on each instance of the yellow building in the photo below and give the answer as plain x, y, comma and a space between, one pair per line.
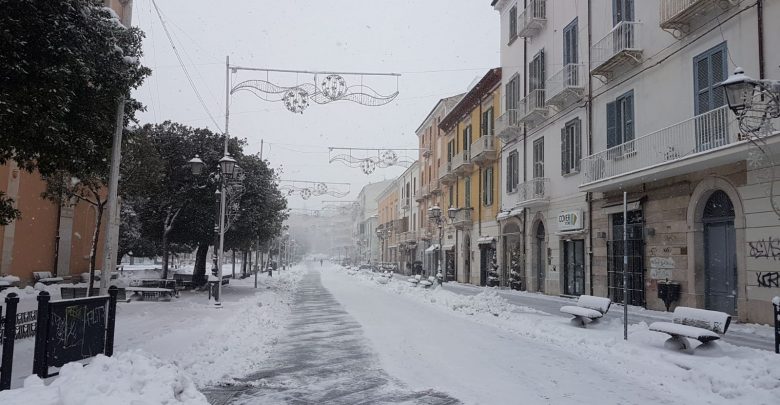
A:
471, 180
389, 228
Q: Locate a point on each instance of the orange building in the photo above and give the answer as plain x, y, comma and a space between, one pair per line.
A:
49, 237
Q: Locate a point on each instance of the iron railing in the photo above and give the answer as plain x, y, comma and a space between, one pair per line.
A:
534, 190
483, 147
462, 218
461, 159
508, 125
532, 18
624, 37
695, 135
570, 78
445, 170
533, 104
676, 13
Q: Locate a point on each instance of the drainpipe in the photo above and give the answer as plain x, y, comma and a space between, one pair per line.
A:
57, 239
589, 195
760, 13
525, 176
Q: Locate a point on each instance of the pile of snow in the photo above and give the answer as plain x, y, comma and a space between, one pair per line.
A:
126, 378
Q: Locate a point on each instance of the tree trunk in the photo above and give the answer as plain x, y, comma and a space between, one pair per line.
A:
243, 263
234, 263
93, 248
201, 257
165, 254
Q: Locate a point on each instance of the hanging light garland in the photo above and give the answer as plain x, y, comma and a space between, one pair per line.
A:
308, 189
369, 159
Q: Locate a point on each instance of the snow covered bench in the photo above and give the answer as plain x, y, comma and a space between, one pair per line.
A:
46, 277
588, 307
414, 280
427, 283
700, 324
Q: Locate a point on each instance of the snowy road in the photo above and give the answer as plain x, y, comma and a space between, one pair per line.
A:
323, 358
427, 347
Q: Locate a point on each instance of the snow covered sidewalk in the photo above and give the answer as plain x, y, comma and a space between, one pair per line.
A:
481, 349
166, 351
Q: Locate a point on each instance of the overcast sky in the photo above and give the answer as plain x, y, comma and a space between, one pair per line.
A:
439, 47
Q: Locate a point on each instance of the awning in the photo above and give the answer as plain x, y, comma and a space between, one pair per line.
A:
449, 247
615, 207
432, 248
508, 214
515, 212
485, 240
502, 215
572, 233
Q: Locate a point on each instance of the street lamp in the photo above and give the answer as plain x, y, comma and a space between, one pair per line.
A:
196, 165
434, 214
754, 102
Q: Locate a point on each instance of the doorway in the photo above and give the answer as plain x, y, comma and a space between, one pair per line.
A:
539, 258
720, 264
574, 267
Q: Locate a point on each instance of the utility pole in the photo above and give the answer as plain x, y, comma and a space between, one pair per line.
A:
109, 255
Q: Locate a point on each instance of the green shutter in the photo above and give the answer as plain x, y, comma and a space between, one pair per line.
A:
612, 138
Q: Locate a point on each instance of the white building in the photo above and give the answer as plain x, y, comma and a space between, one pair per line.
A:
639, 79
407, 185
365, 221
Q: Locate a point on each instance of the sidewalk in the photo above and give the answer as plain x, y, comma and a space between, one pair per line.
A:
747, 335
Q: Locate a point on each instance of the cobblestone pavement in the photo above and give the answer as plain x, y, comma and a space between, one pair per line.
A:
323, 358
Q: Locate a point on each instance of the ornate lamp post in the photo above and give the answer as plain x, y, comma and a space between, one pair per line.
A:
434, 214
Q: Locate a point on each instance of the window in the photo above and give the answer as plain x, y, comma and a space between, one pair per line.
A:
622, 10
467, 191
536, 72
487, 185
512, 97
571, 146
620, 120
512, 171
450, 150
467, 138
539, 158
512, 23
709, 69
570, 54
453, 203
487, 122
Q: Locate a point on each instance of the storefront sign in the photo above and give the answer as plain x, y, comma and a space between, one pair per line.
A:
570, 220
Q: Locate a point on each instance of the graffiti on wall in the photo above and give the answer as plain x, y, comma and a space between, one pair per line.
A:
765, 248
768, 279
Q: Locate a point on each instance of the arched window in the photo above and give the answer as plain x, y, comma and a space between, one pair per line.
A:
718, 206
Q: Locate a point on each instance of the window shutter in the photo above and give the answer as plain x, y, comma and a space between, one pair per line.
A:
564, 152
577, 144
541, 69
628, 116
509, 173
702, 83
718, 74
612, 139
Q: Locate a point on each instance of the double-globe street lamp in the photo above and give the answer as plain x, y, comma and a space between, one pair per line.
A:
227, 169
434, 214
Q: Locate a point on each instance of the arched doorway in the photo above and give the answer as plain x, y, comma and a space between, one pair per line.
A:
539, 257
720, 262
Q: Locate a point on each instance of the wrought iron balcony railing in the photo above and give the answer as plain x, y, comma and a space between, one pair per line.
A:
462, 218
461, 162
484, 149
532, 19
508, 125
679, 14
566, 85
683, 140
621, 47
533, 192
534, 108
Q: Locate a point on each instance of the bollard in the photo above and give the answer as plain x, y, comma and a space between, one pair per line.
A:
40, 366
776, 313
7, 361
111, 322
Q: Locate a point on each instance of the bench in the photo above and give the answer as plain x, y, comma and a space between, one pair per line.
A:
588, 309
427, 283
81, 292
152, 294
85, 276
46, 278
415, 280
183, 281
700, 324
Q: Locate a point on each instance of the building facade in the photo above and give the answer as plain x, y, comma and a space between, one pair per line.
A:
433, 153
470, 176
408, 206
365, 219
389, 228
630, 88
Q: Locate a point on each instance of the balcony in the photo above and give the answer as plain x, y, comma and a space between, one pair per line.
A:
446, 174
434, 187
532, 19
461, 163
619, 49
508, 125
408, 238
532, 193
566, 86
422, 193
462, 219
484, 149
406, 204
680, 14
534, 109
700, 142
